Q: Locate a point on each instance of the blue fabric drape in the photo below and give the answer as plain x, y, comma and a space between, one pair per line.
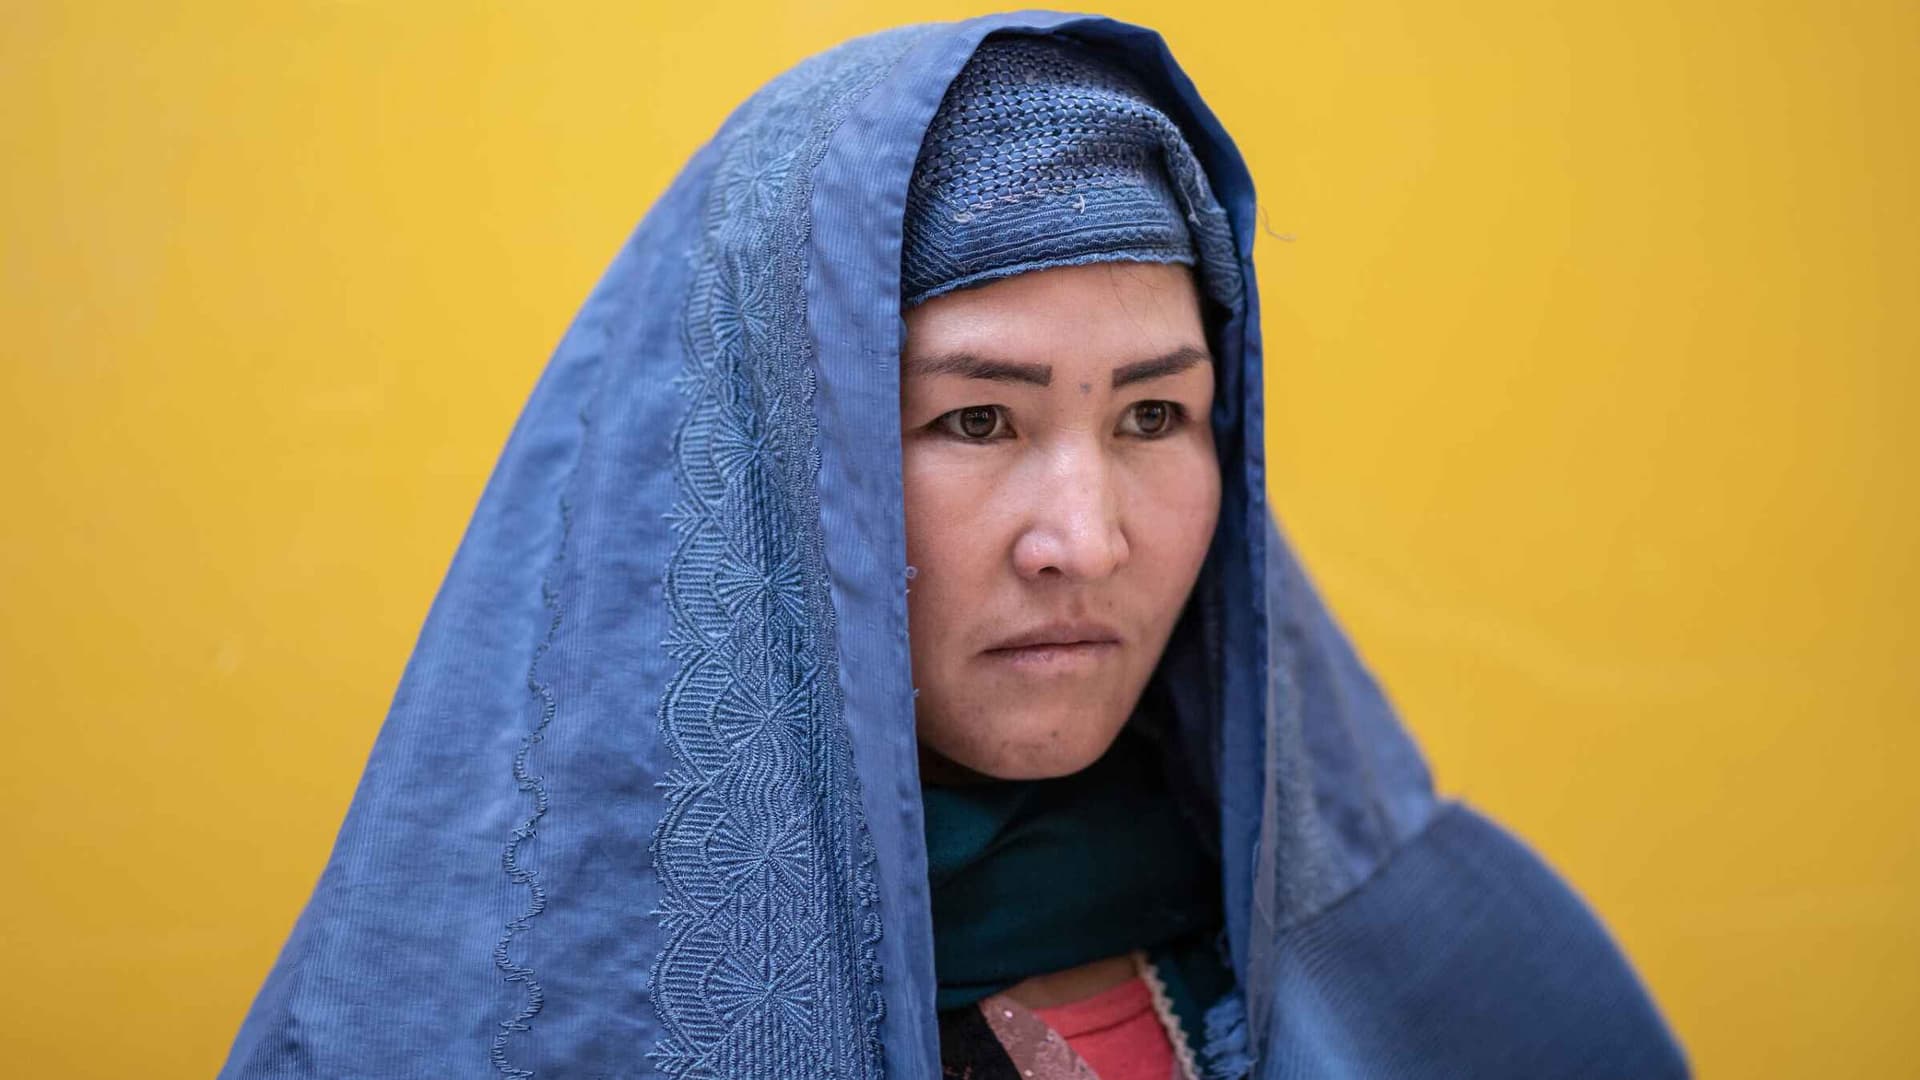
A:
646, 802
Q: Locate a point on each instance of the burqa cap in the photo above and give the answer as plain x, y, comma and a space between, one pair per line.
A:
1043, 155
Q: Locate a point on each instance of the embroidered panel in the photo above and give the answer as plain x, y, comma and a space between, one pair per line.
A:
769, 906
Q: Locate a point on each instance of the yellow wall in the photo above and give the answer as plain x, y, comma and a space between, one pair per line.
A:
1592, 368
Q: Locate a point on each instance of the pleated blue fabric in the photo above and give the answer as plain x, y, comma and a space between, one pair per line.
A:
646, 803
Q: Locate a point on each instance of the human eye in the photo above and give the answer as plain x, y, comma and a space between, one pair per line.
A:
1154, 419
975, 423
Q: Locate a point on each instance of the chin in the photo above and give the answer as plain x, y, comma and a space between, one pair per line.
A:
1038, 748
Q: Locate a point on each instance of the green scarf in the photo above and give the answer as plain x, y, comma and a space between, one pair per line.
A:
1036, 876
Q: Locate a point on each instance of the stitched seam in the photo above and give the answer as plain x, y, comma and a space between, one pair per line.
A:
534, 785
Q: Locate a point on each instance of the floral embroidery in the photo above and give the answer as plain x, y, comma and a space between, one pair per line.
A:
768, 902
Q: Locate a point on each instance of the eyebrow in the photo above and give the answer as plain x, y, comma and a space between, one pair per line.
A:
972, 366
1159, 367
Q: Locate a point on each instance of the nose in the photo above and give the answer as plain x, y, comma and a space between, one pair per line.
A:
1073, 528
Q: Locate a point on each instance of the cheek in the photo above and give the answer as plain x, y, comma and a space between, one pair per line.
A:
946, 546
930, 511
1173, 506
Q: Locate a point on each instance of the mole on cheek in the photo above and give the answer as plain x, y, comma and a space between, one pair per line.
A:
1086, 388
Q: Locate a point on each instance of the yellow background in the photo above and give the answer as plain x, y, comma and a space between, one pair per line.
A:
1593, 347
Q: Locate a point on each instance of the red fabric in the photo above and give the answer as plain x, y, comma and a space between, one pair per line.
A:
1116, 1031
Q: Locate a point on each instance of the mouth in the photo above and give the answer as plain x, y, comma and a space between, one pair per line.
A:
1057, 648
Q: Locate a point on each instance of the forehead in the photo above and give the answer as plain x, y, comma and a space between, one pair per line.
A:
1102, 315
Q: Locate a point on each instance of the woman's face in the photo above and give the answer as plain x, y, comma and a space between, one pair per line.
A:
1061, 493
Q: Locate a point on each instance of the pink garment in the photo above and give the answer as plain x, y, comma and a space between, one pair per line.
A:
1116, 1032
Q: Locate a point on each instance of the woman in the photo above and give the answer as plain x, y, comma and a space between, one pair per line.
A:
873, 655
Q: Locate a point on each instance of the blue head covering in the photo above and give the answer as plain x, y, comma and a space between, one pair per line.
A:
1040, 156
646, 802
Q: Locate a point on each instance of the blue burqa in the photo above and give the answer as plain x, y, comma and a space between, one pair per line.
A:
647, 801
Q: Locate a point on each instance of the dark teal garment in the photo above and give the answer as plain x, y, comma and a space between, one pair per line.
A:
1038, 876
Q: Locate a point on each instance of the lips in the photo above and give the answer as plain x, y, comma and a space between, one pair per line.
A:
1059, 634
